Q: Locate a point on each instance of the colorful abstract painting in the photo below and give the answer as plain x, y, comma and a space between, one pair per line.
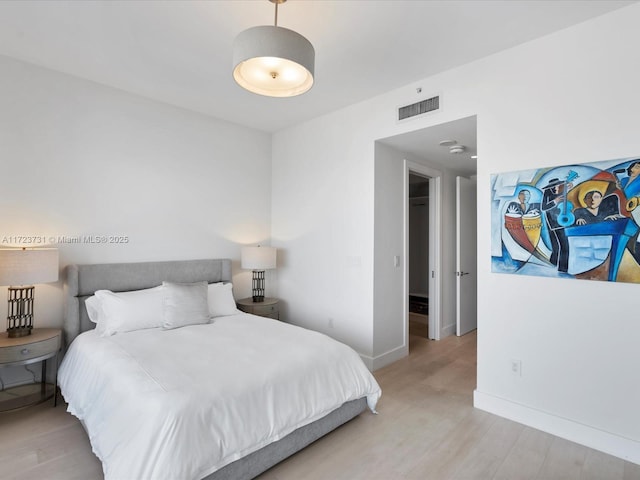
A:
574, 221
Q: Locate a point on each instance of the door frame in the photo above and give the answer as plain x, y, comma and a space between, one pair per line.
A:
435, 242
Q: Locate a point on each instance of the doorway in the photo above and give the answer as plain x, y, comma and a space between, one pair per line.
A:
439, 153
422, 232
418, 255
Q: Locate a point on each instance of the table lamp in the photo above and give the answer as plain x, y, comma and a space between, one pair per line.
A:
258, 259
25, 267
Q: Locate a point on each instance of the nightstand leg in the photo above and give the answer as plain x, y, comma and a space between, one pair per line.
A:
43, 381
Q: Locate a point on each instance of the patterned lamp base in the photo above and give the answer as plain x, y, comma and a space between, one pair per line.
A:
257, 285
20, 311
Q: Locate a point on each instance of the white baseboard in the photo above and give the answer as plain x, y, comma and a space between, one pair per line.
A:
447, 331
591, 437
387, 358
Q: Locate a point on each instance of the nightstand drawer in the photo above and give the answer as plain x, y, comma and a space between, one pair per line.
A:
268, 308
264, 310
17, 353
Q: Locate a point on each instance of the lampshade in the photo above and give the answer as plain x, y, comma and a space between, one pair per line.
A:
28, 266
258, 258
273, 61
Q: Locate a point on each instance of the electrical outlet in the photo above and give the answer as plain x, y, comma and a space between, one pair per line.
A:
330, 323
516, 367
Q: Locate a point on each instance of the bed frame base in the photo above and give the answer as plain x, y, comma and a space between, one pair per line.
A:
262, 460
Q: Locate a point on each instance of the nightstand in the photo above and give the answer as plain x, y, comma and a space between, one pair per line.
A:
40, 346
268, 308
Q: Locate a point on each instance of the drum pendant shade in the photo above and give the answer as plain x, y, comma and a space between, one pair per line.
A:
273, 61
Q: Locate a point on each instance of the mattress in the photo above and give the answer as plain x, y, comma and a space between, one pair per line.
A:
183, 403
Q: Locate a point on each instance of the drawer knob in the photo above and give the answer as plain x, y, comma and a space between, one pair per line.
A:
24, 351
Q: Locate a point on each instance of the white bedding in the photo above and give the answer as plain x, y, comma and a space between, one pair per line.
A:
180, 404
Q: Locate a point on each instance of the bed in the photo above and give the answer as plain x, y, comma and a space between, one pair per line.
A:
227, 399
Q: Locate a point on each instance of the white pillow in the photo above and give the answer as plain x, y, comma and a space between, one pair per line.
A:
184, 304
128, 311
92, 304
94, 311
221, 300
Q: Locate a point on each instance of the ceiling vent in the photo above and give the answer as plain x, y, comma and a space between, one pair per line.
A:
425, 106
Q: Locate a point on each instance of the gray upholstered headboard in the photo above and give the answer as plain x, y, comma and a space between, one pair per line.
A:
82, 281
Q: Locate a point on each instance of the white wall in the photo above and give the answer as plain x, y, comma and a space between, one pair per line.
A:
571, 97
79, 158
388, 330
322, 221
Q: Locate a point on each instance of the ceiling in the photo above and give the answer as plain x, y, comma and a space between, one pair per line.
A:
179, 52
425, 144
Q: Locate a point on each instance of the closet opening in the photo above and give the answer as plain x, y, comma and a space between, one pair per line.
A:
418, 262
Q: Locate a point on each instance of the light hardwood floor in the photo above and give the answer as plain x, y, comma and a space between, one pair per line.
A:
426, 429
418, 325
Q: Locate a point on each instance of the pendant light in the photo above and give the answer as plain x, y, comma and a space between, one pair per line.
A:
273, 61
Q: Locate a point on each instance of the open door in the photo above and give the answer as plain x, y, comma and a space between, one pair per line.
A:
466, 253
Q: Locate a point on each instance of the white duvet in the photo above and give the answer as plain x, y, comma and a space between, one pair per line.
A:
180, 404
